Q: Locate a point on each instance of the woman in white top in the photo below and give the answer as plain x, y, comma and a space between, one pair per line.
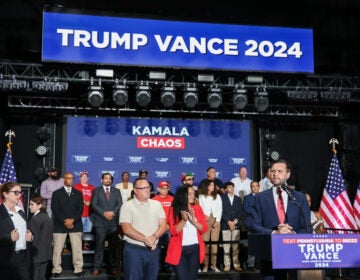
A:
210, 202
125, 187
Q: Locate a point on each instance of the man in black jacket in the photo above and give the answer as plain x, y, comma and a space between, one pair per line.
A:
66, 206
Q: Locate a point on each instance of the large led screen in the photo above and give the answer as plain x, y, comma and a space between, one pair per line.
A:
166, 148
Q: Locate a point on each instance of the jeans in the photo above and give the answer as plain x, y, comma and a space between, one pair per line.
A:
87, 224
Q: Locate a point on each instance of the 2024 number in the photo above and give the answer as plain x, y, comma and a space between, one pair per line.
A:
269, 49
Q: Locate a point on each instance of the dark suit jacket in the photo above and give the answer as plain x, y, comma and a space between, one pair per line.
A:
100, 204
64, 207
263, 216
231, 212
7, 246
42, 228
248, 202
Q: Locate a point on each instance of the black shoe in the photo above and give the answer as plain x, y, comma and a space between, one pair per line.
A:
55, 275
79, 274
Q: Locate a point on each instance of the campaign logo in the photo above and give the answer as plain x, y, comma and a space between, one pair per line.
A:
162, 174
187, 160
213, 160
134, 174
171, 143
81, 158
162, 159
108, 159
234, 160
112, 172
135, 159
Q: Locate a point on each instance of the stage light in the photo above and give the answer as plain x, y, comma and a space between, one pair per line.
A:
168, 96
191, 97
205, 78
95, 95
335, 96
42, 150
120, 94
302, 95
105, 73
143, 95
13, 85
155, 75
214, 97
273, 155
43, 133
254, 79
49, 87
261, 100
240, 99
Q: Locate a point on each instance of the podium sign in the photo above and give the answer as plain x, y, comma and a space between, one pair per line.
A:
315, 251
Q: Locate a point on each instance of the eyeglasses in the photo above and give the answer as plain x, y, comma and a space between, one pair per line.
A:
17, 193
144, 188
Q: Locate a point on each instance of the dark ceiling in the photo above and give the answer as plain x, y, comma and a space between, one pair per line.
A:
335, 23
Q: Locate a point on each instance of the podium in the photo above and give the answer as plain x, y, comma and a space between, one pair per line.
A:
308, 254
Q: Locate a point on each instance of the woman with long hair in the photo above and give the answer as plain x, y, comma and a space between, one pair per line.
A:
211, 203
186, 250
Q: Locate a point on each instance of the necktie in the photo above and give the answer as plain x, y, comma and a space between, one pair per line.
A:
107, 193
68, 190
280, 207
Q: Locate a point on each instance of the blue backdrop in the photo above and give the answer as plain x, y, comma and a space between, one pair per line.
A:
166, 148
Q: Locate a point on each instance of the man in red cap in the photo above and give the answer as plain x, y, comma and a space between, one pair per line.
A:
188, 180
165, 199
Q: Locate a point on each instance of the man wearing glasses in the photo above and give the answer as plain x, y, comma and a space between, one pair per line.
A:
143, 221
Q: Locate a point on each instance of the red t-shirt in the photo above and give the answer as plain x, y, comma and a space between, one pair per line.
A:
87, 192
165, 202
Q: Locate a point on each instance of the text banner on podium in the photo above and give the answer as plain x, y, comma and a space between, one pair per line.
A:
315, 251
77, 38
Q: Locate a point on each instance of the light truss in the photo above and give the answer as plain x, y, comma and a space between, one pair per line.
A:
80, 77
79, 106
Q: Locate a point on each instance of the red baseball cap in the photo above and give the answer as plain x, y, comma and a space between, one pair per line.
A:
163, 184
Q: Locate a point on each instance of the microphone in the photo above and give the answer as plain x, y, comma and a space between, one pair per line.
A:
286, 189
293, 200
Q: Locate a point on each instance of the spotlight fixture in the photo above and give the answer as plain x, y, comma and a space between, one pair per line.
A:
273, 155
240, 99
43, 133
120, 94
191, 97
42, 150
143, 95
168, 96
335, 96
95, 95
205, 78
302, 95
155, 75
49, 87
214, 97
13, 85
261, 100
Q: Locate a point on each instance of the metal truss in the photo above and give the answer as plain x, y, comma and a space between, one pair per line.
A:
81, 107
79, 78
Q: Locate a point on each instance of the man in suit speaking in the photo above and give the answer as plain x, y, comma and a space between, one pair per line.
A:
279, 210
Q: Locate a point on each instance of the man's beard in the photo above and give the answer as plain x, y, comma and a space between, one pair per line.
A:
55, 177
